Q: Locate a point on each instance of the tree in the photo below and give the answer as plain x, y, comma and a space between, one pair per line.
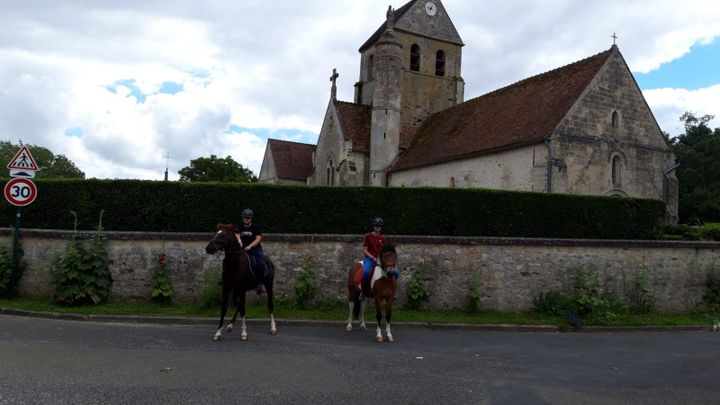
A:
51, 166
698, 150
215, 169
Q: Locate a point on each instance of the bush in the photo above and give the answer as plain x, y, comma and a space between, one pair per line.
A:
417, 290
8, 285
6, 268
712, 296
590, 300
134, 205
688, 232
552, 303
80, 274
475, 292
305, 283
161, 288
640, 301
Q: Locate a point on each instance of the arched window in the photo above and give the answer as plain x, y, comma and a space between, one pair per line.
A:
615, 121
330, 170
415, 57
371, 68
617, 171
440, 63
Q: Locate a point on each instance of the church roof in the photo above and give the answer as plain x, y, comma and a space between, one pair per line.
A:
292, 160
397, 14
523, 113
355, 122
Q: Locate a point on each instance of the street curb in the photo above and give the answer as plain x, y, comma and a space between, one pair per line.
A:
186, 320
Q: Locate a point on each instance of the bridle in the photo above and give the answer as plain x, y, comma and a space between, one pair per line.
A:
218, 247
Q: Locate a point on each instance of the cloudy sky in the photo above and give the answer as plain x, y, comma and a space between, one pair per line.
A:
119, 85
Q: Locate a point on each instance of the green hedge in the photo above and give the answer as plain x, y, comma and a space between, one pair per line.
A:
707, 232
134, 205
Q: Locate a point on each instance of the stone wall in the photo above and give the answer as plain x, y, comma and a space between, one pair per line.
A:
512, 271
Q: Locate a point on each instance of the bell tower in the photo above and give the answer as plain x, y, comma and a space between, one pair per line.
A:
386, 103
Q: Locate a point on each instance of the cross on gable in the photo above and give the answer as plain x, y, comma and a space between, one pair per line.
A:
333, 89
614, 37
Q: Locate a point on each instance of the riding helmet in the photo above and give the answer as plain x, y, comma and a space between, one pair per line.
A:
248, 213
378, 222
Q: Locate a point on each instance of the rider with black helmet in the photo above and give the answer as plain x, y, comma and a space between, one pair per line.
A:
250, 240
373, 244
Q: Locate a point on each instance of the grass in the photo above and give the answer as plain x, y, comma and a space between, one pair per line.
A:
339, 311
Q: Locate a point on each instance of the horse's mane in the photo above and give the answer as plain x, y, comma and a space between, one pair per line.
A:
389, 248
226, 227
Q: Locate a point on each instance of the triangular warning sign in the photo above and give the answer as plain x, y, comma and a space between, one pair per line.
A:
23, 160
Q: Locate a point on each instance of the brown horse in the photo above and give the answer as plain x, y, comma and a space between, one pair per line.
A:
237, 278
382, 288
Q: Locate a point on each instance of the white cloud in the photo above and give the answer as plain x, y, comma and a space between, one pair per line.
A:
265, 65
668, 104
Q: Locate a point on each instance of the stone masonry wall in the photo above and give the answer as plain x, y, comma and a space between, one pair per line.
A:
512, 271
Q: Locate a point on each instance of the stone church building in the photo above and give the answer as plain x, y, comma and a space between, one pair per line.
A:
583, 128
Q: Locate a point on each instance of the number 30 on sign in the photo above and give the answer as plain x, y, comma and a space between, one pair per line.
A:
20, 192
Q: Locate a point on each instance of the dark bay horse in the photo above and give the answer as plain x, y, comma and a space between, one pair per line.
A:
382, 288
237, 278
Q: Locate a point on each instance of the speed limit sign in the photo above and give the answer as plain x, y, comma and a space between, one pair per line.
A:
20, 191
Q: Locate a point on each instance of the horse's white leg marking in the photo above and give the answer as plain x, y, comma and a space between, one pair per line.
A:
362, 315
229, 328
243, 329
389, 333
351, 305
378, 334
218, 335
273, 329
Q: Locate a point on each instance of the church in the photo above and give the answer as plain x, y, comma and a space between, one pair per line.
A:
584, 128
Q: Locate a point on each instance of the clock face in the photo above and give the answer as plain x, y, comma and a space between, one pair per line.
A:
430, 8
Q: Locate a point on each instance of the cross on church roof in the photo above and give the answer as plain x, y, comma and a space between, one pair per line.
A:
333, 79
614, 37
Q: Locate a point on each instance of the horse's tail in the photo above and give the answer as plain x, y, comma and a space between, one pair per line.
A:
356, 306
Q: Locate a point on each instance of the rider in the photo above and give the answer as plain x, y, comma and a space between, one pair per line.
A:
373, 244
250, 238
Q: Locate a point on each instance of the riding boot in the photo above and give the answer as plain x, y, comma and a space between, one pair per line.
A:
366, 287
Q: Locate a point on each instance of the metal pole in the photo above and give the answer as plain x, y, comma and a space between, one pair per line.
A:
15, 275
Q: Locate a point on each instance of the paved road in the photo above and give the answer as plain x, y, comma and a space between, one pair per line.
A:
50, 361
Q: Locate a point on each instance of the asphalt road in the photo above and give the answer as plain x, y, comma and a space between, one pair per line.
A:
49, 361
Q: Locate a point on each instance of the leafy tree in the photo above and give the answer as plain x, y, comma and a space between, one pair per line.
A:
52, 166
216, 169
698, 149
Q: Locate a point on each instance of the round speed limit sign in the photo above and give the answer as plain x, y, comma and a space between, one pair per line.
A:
20, 192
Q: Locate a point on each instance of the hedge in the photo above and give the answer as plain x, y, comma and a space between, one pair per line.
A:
135, 205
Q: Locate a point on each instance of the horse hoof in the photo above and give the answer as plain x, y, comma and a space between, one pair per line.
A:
363, 327
379, 339
390, 339
216, 338
243, 338
273, 332
348, 328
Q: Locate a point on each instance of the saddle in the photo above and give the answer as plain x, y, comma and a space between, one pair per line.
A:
256, 270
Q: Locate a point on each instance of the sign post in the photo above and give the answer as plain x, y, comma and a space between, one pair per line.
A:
20, 191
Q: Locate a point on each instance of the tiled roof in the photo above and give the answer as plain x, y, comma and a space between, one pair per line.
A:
355, 121
292, 160
523, 113
396, 16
